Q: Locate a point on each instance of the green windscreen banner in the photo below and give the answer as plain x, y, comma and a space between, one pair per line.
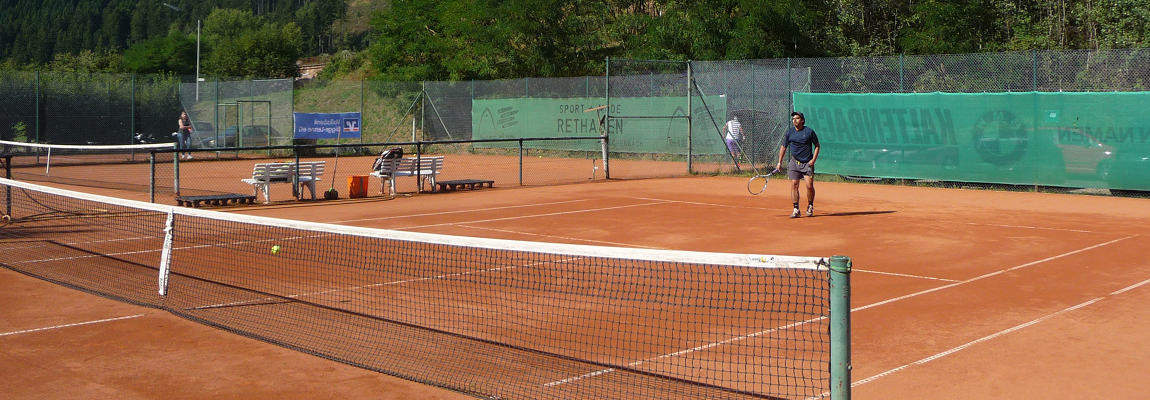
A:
662, 128
1092, 140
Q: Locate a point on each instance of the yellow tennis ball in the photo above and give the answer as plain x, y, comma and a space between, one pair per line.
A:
275, 249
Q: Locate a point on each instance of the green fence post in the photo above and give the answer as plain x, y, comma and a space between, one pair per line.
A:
37, 112
790, 89
362, 132
901, 67
1034, 69
689, 119
132, 115
606, 120
152, 175
216, 114
840, 325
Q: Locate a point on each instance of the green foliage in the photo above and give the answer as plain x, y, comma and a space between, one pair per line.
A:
86, 62
343, 65
20, 132
243, 45
174, 53
34, 31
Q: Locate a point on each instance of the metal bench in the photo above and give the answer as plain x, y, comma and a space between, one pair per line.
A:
424, 168
266, 174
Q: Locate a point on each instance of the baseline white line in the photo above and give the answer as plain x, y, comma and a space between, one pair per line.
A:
459, 211
71, 325
529, 216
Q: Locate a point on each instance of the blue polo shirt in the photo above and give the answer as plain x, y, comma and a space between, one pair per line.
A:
800, 143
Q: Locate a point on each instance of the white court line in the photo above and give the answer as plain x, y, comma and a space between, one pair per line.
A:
682, 352
904, 275
697, 203
426, 278
530, 216
565, 238
995, 335
201, 246
459, 211
71, 325
977, 278
600, 372
1032, 227
38, 243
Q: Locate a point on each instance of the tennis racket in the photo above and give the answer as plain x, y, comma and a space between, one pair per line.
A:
759, 183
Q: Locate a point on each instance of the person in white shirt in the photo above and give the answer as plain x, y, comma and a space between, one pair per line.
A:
734, 132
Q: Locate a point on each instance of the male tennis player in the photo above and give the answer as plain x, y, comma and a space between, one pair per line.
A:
734, 132
803, 145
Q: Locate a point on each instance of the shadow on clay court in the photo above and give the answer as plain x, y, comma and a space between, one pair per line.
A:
850, 214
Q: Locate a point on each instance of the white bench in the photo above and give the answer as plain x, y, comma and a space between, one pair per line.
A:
426, 168
266, 174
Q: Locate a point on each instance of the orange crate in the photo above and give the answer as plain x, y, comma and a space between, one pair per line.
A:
357, 186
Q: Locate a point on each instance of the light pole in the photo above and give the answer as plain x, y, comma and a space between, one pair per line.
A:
198, 79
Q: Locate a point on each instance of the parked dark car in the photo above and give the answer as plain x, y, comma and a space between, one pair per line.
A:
251, 136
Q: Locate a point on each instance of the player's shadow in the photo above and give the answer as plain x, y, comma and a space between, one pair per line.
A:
851, 214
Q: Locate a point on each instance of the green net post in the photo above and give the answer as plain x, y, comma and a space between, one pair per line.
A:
840, 328
7, 188
176, 172
152, 175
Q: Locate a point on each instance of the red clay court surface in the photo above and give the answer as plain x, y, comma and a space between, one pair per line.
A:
957, 294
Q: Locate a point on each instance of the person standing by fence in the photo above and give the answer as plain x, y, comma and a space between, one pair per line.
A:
734, 132
184, 135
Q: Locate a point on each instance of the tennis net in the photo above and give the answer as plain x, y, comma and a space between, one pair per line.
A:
124, 167
495, 318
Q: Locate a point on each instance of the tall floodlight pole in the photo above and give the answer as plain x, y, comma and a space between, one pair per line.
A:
198, 80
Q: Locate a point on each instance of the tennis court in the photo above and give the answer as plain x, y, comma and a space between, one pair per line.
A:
955, 293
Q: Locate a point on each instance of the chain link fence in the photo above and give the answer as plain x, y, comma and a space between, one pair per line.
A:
83, 108
666, 118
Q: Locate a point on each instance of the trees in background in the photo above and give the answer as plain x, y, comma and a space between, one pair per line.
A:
245, 45
34, 32
492, 39
486, 39
175, 53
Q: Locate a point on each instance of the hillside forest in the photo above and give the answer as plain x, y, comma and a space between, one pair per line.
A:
497, 39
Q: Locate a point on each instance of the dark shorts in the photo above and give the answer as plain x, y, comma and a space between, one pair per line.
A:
796, 171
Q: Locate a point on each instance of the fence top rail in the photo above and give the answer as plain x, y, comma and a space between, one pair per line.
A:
379, 144
90, 146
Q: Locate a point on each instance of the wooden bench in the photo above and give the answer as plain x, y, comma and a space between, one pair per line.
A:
467, 183
266, 174
425, 168
215, 200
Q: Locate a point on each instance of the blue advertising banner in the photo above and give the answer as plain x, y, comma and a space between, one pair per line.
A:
327, 125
